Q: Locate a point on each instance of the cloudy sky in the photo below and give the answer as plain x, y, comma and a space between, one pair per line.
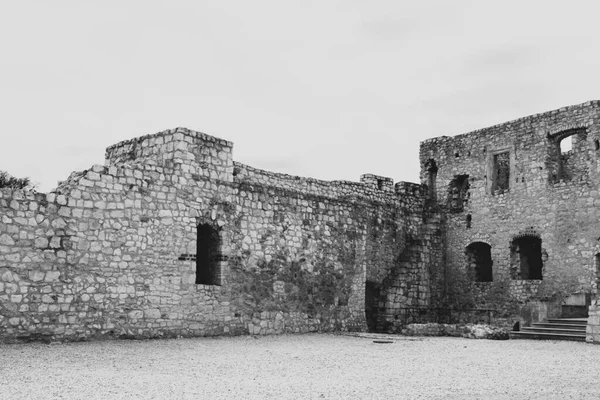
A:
327, 89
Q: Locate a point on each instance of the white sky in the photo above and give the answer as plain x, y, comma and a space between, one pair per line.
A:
327, 89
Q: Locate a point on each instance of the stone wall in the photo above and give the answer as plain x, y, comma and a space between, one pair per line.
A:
509, 186
172, 237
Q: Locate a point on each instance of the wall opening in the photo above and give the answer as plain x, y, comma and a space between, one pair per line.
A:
469, 220
208, 255
432, 170
597, 268
479, 261
458, 193
501, 172
568, 153
372, 295
526, 258
566, 144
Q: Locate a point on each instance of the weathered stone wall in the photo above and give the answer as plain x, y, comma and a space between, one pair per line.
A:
113, 251
510, 181
593, 325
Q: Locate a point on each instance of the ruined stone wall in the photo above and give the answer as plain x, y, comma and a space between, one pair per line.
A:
510, 181
114, 250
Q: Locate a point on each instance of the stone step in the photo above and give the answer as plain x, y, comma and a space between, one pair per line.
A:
546, 336
572, 321
537, 329
577, 327
554, 329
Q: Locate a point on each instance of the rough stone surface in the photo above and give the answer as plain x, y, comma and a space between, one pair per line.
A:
112, 252
468, 331
511, 185
172, 237
485, 332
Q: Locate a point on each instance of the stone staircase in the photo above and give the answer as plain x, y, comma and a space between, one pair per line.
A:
554, 329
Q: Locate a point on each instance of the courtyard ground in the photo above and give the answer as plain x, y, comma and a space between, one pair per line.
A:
312, 366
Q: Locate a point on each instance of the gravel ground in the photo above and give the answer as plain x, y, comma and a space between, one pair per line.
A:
314, 366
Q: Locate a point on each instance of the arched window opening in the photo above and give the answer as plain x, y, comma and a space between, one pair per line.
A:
208, 255
568, 151
526, 258
566, 144
479, 261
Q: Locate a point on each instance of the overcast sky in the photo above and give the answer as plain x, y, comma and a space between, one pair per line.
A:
326, 89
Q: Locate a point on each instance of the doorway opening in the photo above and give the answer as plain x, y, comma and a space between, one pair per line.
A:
208, 255
372, 295
526, 258
479, 261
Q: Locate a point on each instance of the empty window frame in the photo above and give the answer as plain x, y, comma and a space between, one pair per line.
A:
458, 193
526, 258
479, 261
500, 172
208, 255
568, 154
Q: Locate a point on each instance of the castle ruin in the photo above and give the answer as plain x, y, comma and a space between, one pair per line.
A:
172, 237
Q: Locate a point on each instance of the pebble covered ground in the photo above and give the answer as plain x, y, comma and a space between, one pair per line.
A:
311, 366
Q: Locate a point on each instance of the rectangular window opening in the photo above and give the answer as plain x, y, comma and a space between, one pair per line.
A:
208, 255
568, 151
501, 173
526, 258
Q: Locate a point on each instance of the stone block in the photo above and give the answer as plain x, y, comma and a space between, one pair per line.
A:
58, 223
6, 240
152, 313
36, 275
55, 242
135, 314
52, 276
13, 258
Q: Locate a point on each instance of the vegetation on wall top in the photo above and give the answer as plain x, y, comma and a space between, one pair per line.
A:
9, 181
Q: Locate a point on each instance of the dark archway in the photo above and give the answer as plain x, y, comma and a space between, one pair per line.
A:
208, 255
479, 261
